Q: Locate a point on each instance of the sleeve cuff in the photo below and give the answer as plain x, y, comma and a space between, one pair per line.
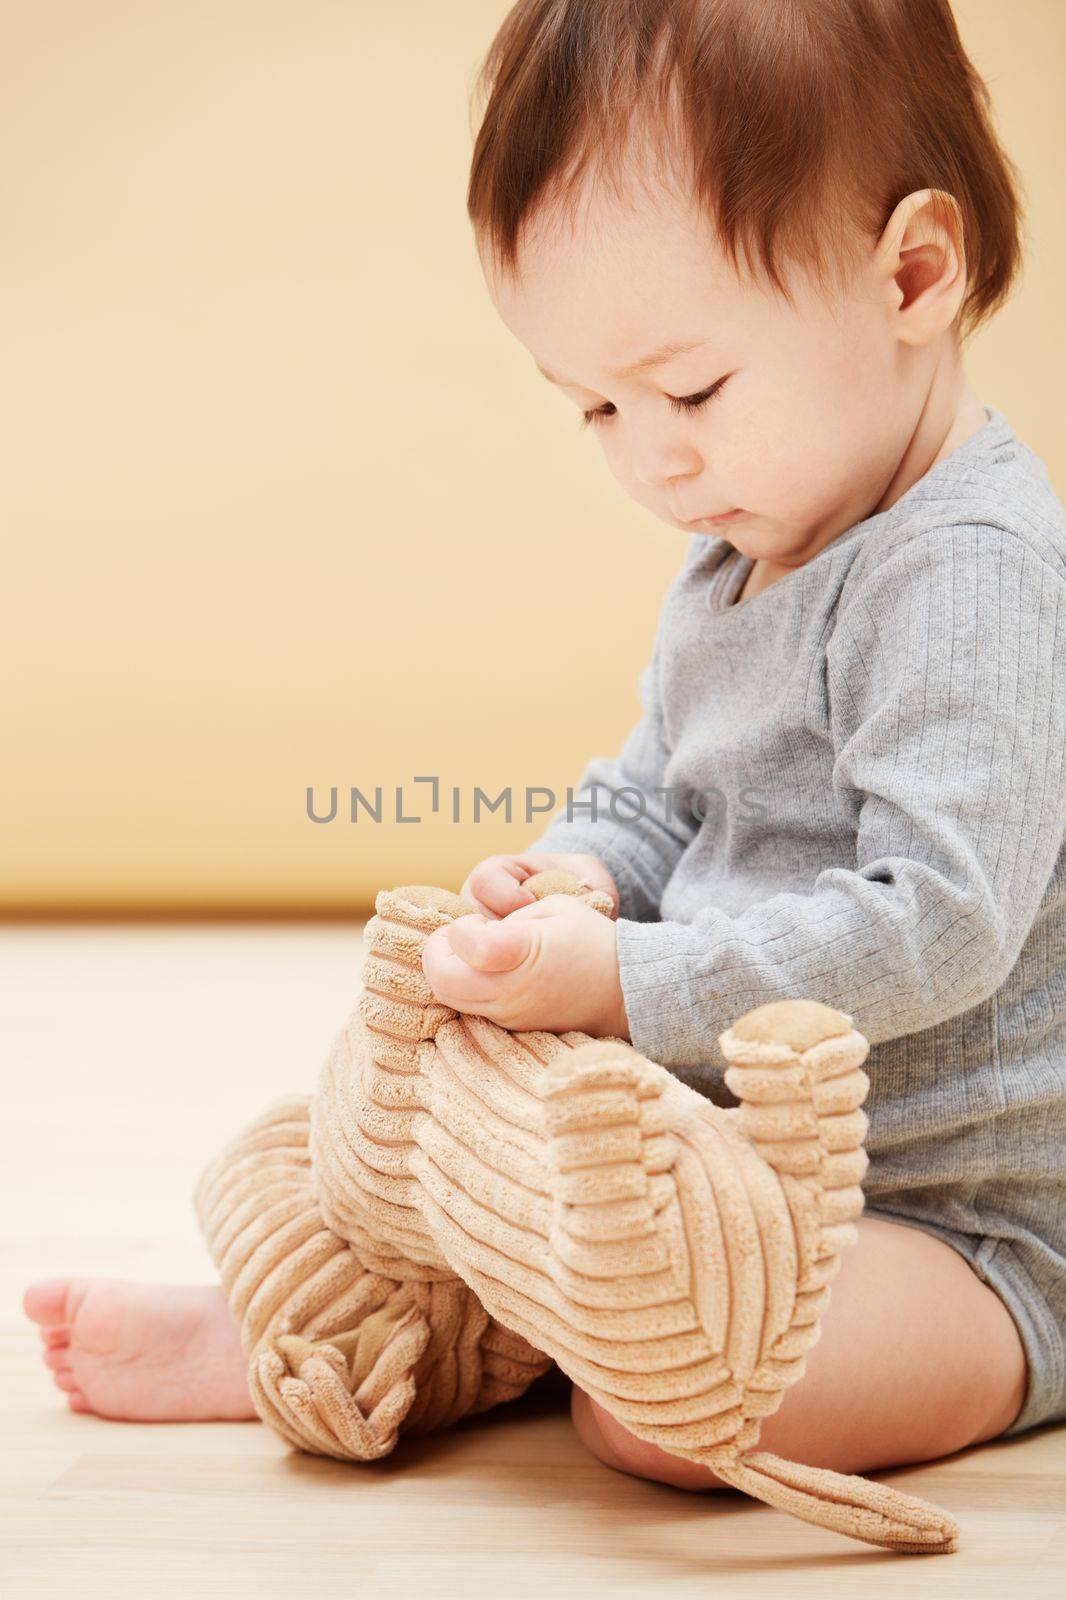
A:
681, 992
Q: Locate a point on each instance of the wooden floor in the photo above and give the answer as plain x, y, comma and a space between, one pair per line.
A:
130, 1055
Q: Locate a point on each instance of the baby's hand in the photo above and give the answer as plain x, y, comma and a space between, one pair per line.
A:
552, 964
495, 884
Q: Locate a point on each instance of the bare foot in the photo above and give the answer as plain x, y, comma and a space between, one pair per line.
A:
142, 1352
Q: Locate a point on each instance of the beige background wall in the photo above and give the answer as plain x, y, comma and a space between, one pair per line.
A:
282, 502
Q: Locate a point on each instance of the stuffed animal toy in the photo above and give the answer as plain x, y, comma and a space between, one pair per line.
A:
457, 1207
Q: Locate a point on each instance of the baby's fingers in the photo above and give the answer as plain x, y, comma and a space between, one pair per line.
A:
495, 885
489, 946
462, 983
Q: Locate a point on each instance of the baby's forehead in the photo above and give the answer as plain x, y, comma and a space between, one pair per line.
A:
607, 250
600, 225
620, 275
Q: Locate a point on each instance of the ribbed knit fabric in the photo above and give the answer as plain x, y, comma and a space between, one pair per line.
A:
457, 1199
852, 786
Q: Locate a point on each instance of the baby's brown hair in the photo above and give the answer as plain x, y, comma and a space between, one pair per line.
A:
801, 120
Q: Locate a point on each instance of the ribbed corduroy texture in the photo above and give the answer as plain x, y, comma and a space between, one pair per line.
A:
342, 1358
853, 785
458, 1205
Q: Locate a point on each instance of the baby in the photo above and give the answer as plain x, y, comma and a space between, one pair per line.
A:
747, 239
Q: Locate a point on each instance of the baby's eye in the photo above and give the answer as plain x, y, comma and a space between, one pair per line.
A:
689, 402
599, 415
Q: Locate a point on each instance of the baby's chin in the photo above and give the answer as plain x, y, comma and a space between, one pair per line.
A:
762, 538
775, 544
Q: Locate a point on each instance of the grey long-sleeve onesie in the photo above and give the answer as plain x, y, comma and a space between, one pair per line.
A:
852, 787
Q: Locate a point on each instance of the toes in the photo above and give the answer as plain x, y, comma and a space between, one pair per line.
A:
46, 1301
77, 1401
55, 1338
67, 1381
57, 1360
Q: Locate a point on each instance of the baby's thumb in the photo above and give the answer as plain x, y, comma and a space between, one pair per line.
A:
489, 946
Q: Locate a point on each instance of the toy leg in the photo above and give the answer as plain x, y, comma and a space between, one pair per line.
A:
351, 1340
341, 1360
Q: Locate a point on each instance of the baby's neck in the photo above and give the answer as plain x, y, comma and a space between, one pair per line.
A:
952, 413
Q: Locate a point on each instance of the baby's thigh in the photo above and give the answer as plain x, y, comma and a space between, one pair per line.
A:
917, 1358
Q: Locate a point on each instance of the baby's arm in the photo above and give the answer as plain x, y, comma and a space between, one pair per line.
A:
949, 723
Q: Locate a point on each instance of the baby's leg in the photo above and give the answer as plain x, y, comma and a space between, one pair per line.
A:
917, 1358
142, 1352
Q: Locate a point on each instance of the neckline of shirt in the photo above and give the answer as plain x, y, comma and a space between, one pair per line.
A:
731, 569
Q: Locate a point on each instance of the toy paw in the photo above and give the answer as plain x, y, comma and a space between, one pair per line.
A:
346, 1396
557, 881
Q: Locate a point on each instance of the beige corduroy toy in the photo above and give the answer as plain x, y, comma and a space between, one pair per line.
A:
458, 1206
